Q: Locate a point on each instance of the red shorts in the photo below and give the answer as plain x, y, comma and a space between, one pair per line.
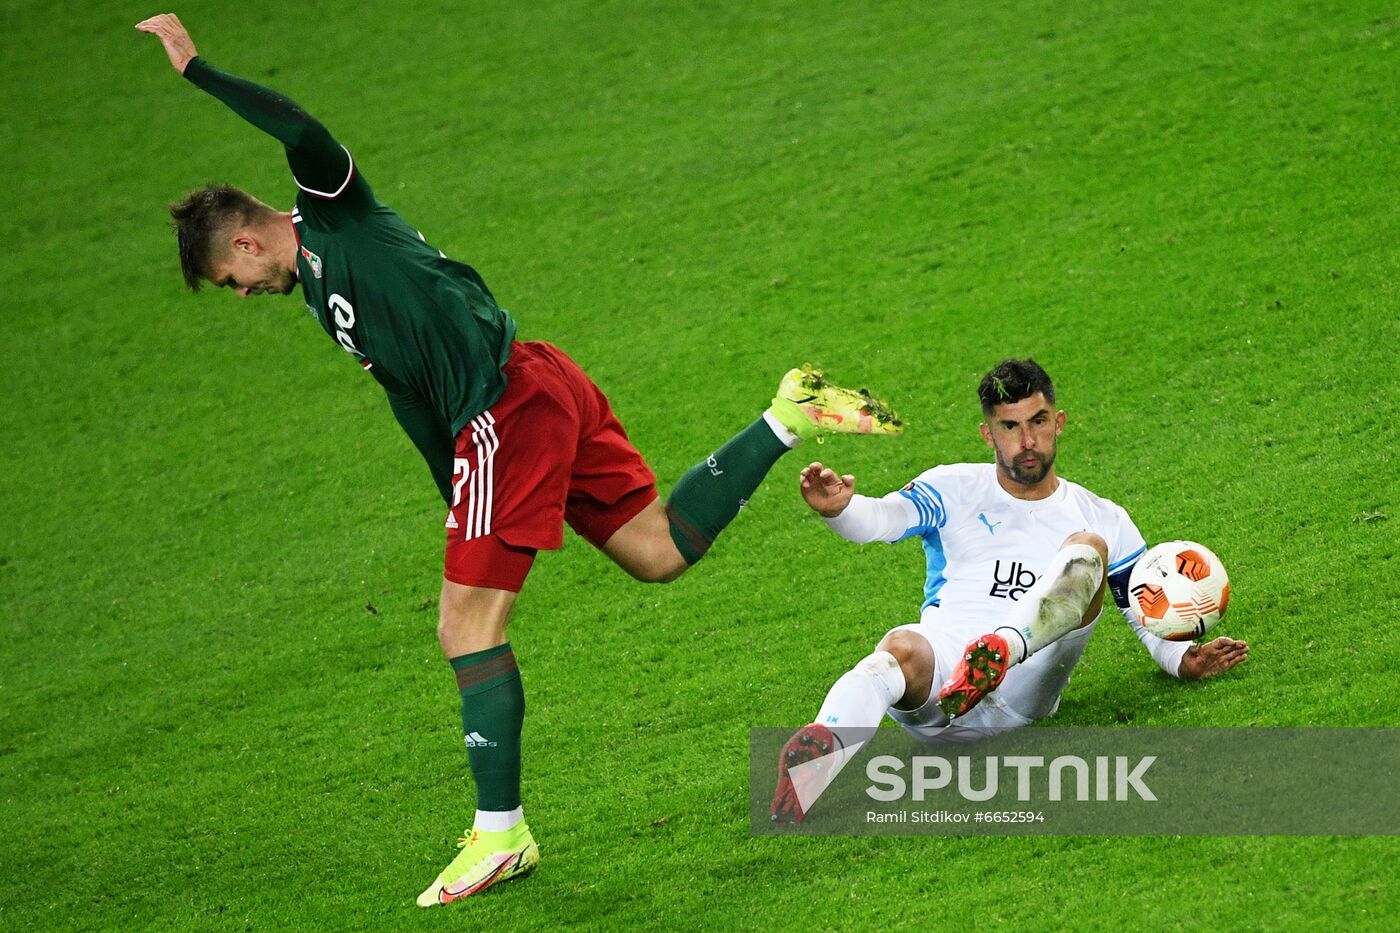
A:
549, 451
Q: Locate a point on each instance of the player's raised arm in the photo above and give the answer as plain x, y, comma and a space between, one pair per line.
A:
319, 164
171, 32
856, 518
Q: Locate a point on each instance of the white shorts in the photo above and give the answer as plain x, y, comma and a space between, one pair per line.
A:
1030, 691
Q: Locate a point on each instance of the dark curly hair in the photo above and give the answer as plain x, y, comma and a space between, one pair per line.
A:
1012, 380
201, 217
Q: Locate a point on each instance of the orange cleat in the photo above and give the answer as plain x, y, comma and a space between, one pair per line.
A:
981, 669
806, 744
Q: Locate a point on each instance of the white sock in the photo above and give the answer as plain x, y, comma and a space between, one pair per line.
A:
780, 429
860, 696
1055, 606
497, 821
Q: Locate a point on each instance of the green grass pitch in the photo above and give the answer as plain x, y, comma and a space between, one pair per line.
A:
222, 705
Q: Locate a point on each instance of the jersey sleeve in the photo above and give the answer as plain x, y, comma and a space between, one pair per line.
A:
424, 426
1167, 654
1126, 545
321, 167
915, 510
925, 497
866, 519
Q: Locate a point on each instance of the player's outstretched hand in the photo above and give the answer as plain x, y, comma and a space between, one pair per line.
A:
178, 44
827, 493
1211, 658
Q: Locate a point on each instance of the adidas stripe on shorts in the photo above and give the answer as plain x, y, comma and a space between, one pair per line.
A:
549, 451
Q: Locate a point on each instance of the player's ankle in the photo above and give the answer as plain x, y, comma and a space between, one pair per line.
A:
498, 821
787, 435
1016, 642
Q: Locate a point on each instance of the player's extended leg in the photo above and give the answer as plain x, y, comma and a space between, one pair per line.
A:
660, 543
1067, 596
899, 673
472, 631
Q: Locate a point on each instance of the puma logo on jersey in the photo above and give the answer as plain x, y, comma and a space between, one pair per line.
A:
991, 526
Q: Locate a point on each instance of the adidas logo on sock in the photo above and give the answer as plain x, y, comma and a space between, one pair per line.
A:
477, 740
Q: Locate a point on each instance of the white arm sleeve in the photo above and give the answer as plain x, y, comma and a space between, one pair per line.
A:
1167, 654
865, 519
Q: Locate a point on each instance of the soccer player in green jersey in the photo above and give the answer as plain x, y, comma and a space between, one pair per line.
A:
517, 438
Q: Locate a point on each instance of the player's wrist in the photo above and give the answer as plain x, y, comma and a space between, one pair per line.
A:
1188, 669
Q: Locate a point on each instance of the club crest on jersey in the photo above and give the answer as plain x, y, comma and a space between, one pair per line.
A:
312, 260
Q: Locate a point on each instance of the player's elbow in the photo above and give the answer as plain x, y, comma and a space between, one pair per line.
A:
307, 134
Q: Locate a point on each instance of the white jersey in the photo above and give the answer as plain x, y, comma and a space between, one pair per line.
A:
984, 547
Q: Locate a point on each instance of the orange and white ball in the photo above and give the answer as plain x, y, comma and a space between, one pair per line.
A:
1179, 590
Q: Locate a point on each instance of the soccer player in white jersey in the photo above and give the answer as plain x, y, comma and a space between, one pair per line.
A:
1018, 562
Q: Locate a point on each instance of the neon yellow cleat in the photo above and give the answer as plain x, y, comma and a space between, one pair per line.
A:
485, 859
810, 406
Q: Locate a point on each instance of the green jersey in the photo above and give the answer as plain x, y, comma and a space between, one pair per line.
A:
424, 326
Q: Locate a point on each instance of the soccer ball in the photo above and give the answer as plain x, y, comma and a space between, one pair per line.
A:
1178, 590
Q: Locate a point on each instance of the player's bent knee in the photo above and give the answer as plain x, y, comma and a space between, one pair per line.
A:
644, 549
668, 565
1090, 538
914, 654
672, 572
657, 574
657, 566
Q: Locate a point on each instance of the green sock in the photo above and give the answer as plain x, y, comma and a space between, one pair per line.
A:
493, 710
711, 493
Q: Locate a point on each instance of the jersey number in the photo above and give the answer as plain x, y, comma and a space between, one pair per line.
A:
463, 466
344, 313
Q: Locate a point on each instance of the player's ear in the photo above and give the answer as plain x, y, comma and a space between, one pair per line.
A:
986, 433
244, 242
1059, 421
